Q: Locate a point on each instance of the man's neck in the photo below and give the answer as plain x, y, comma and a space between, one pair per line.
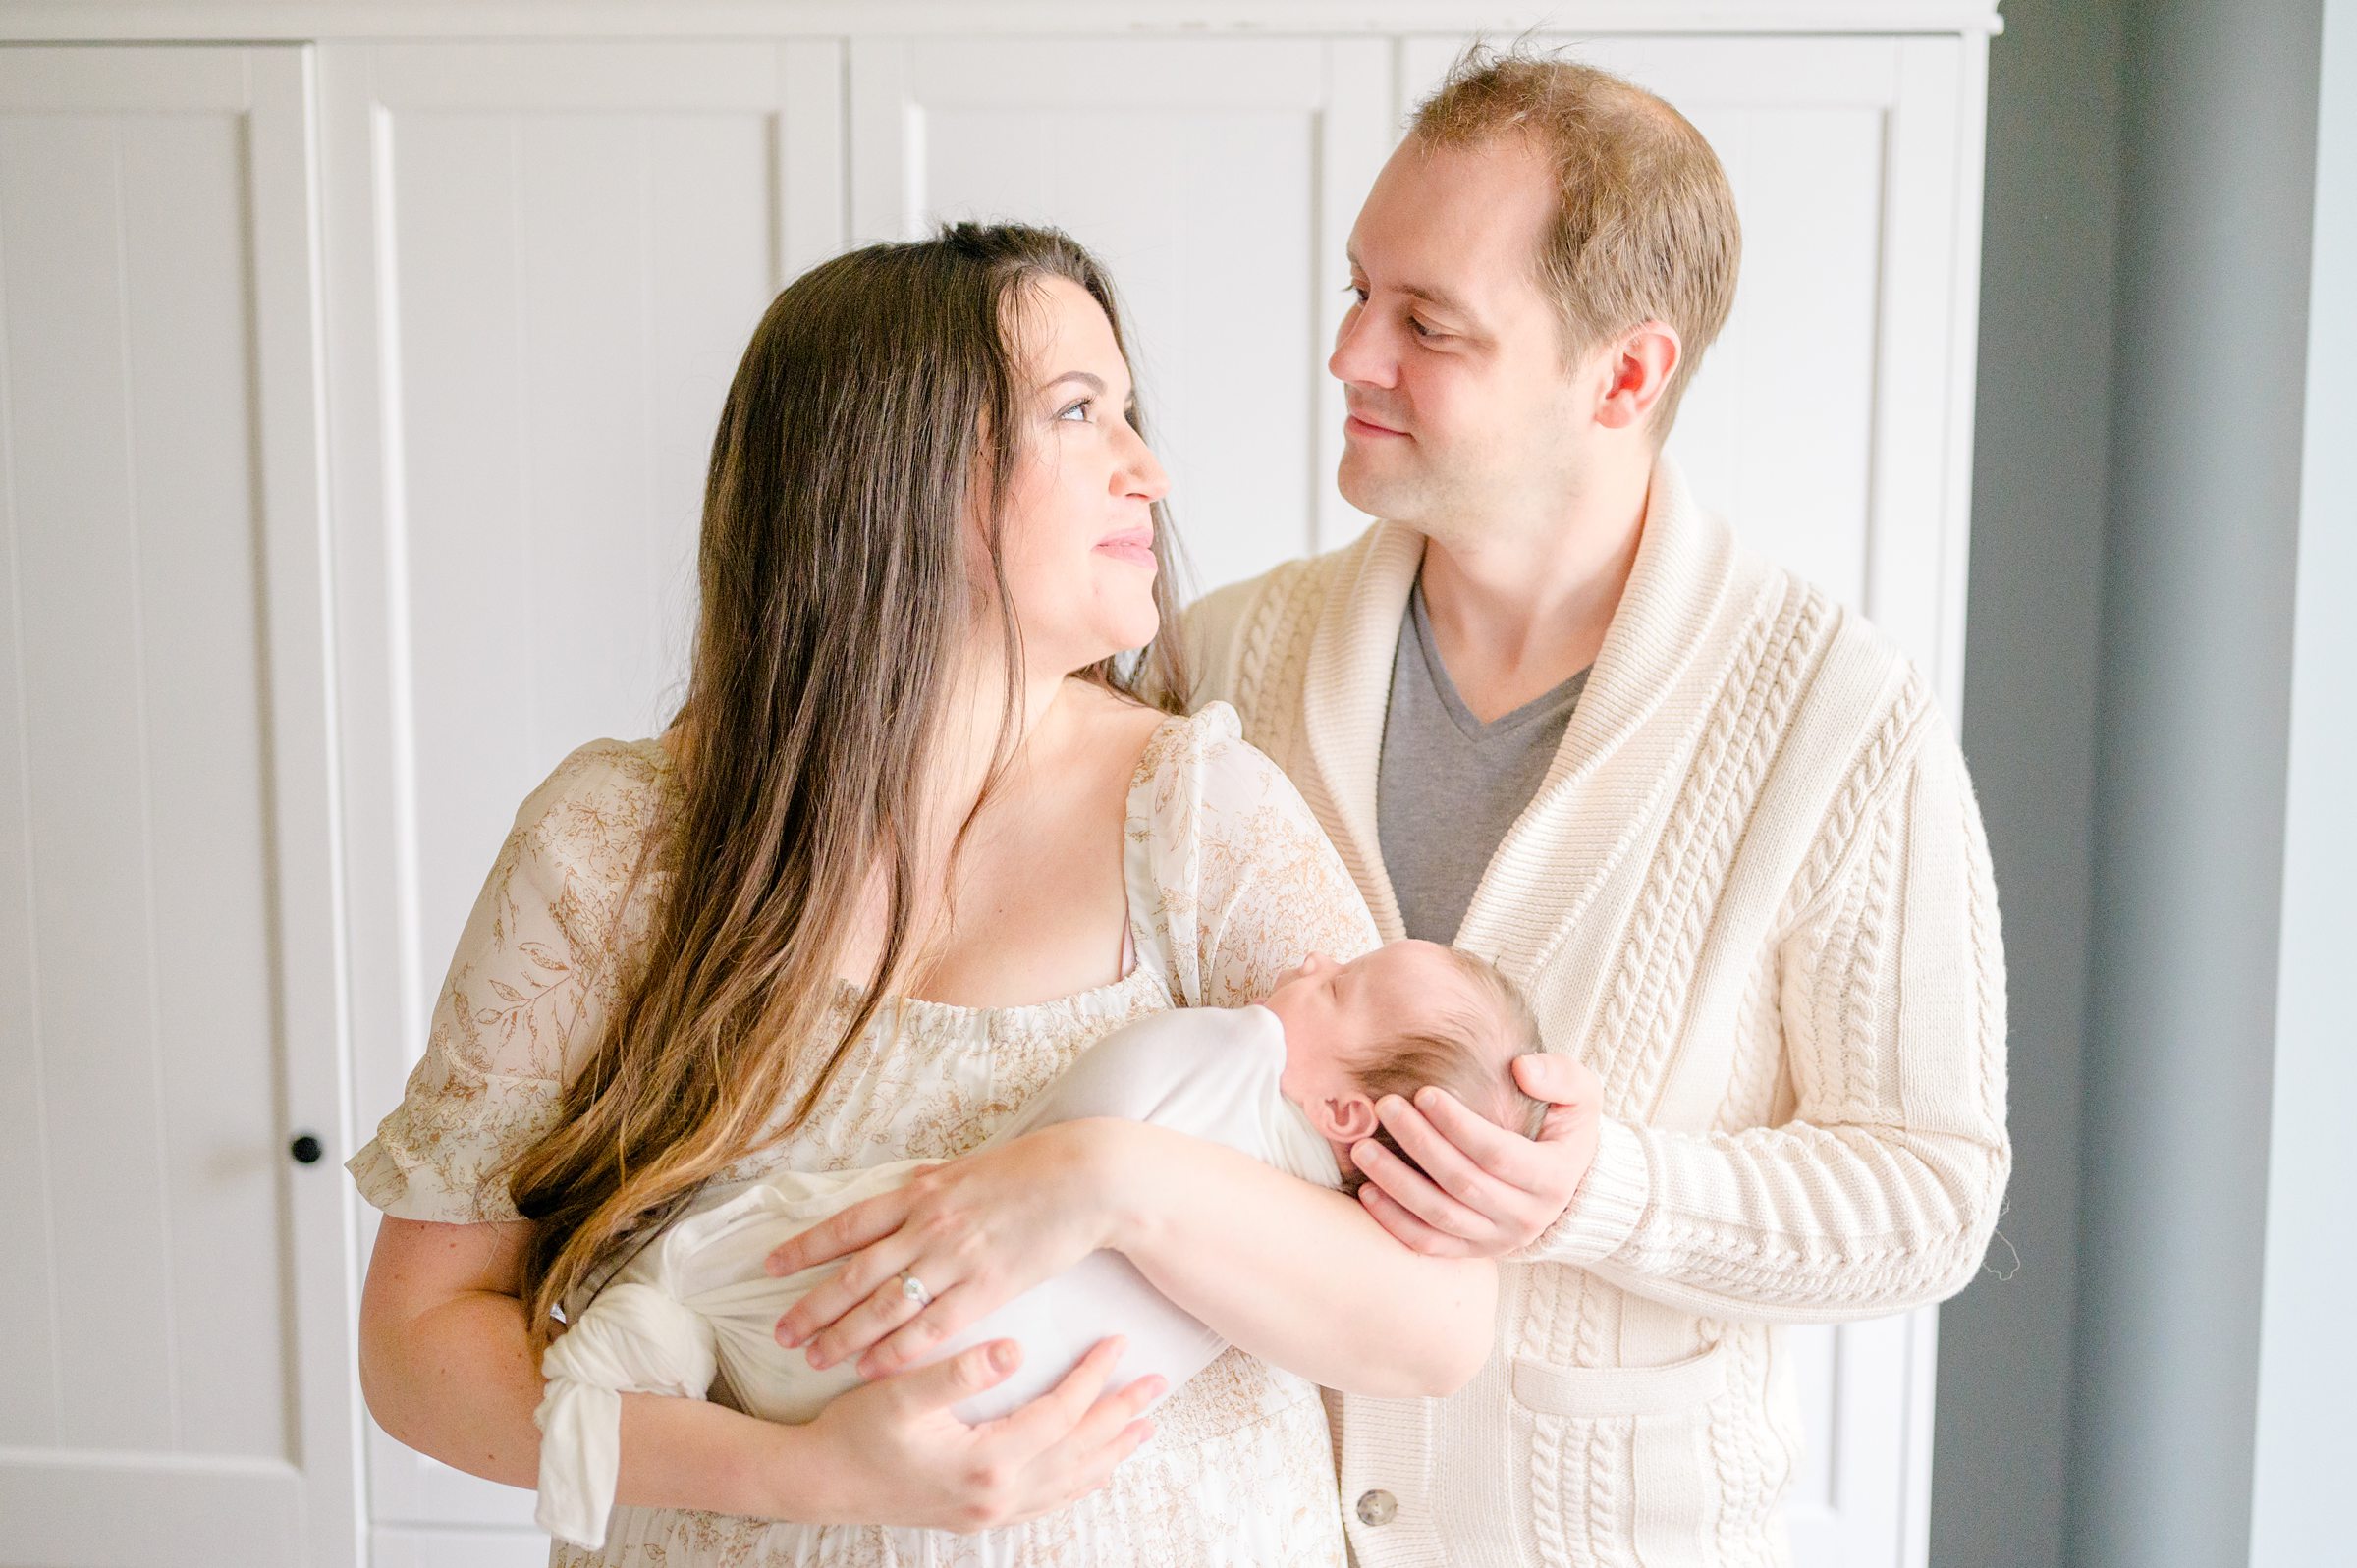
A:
1523, 610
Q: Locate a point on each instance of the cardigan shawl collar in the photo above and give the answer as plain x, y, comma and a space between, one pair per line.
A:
1752, 894
1677, 586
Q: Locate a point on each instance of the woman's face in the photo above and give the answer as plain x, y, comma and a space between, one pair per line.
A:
1078, 545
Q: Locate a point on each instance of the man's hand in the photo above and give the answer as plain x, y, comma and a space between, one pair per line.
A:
1491, 1192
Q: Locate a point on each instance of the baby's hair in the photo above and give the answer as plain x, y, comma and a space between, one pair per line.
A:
1468, 1050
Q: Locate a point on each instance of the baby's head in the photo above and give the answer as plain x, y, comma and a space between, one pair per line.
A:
1407, 1015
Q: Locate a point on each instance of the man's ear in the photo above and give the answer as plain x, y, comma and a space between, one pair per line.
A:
1637, 372
1345, 1118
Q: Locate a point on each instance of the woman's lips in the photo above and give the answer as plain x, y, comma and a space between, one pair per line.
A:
1135, 546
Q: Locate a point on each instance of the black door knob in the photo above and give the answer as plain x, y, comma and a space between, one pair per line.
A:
306, 1149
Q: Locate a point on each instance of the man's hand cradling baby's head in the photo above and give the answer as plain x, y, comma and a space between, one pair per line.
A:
1392, 1022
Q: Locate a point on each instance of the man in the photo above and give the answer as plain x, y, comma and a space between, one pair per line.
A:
1716, 828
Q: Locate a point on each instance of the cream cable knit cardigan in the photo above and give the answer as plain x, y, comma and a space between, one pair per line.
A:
1753, 892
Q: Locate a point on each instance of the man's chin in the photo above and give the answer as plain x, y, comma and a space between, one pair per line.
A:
1378, 495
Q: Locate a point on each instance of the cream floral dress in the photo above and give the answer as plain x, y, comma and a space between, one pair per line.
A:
1231, 882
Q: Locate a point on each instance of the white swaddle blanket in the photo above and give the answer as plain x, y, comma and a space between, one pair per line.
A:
693, 1304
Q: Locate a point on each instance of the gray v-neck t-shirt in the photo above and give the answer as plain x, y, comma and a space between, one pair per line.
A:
1448, 785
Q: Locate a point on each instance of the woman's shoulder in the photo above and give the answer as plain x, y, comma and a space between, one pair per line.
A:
594, 811
1205, 790
1241, 880
1182, 739
1203, 760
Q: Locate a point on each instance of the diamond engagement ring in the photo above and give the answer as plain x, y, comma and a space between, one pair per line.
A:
915, 1290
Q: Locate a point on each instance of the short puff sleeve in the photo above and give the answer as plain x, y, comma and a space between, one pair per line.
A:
536, 973
1247, 883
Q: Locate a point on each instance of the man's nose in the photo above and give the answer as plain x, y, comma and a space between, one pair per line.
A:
1361, 356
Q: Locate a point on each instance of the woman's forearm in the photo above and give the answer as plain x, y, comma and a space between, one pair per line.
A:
456, 1381
459, 1383
1294, 1273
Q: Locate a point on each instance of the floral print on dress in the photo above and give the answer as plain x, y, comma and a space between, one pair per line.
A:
1231, 882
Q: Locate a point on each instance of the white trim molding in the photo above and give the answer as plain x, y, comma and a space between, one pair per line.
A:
289, 21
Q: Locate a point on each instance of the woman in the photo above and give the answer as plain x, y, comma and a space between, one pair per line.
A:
912, 843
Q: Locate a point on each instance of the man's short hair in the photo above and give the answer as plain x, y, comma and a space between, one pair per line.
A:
1645, 226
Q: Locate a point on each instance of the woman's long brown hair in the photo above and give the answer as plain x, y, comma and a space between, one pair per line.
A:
883, 393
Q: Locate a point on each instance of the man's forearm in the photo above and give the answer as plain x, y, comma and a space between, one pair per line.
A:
1799, 1223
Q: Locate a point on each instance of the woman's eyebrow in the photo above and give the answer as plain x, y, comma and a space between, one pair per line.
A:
1095, 384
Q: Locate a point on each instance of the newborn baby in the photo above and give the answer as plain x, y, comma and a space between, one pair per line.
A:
1291, 1081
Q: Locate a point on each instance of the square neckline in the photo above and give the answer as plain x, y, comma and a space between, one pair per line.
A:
847, 993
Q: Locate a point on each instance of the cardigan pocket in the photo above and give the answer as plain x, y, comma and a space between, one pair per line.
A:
1593, 1392
1621, 1468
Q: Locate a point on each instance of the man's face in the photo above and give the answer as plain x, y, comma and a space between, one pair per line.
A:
1461, 406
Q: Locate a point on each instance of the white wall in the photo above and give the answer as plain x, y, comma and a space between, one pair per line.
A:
2304, 1451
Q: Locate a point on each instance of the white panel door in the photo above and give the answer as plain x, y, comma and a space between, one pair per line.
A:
176, 1380
1216, 179
1823, 425
546, 259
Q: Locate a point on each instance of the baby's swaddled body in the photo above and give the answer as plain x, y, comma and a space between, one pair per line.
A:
694, 1305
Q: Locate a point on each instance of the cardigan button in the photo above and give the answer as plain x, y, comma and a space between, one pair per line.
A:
1376, 1508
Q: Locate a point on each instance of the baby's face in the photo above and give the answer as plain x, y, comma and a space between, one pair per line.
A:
1331, 1009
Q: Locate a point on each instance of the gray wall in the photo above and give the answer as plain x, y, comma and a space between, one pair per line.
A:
2040, 493
2144, 345
2198, 567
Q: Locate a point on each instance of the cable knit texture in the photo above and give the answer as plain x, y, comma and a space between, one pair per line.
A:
1754, 894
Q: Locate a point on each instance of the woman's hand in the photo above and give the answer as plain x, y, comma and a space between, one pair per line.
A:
895, 1453
1491, 1192
977, 1231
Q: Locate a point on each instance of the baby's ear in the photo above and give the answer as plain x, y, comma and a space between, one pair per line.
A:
1346, 1118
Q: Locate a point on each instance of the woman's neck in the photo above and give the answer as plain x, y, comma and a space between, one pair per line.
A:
976, 720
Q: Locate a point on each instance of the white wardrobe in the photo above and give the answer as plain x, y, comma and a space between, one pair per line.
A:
358, 366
